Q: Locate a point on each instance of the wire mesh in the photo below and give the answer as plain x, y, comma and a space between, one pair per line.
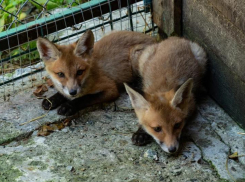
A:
20, 65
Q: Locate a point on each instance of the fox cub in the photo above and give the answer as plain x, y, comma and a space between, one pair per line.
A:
87, 73
171, 72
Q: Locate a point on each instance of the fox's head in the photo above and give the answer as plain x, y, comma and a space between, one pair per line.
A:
163, 115
68, 65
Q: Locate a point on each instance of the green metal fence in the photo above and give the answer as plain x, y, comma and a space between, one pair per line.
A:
20, 65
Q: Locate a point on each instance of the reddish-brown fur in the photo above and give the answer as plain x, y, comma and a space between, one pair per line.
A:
171, 71
105, 64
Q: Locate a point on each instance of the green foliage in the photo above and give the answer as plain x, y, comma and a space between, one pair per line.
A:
51, 4
12, 6
56, 3
24, 60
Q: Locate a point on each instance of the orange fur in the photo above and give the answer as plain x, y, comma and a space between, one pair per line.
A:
104, 65
171, 71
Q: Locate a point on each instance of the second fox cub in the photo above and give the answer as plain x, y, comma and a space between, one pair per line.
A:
171, 72
85, 73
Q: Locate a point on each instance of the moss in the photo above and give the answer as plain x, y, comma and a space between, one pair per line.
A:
9, 133
9, 75
240, 180
40, 165
7, 170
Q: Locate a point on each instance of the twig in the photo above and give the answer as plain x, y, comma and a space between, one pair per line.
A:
146, 24
226, 165
8, 69
241, 133
39, 117
73, 126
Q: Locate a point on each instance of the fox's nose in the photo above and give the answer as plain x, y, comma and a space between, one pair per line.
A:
73, 92
172, 149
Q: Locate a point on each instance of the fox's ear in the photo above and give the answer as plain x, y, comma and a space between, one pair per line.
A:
85, 44
137, 100
183, 94
47, 50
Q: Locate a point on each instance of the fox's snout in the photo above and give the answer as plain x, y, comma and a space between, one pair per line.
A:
73, 92
170, 149
169, 143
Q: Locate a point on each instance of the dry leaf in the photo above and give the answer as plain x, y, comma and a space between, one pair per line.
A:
234, 156
67, 121
40, 90
50, 83
58, 126
45, 78
43, 133
45, 130
33, 79
30, 168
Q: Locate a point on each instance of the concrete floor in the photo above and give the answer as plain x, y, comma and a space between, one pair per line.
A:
97, 146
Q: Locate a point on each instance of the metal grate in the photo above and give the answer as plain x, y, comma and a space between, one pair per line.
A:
20, 66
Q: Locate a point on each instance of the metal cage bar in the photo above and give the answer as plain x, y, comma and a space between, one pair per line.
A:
40, 25
105, 15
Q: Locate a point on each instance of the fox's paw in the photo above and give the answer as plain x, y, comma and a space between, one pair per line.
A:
67, 109
141, 138
53, 102
49, 104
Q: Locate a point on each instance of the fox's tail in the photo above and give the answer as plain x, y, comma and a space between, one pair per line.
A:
199, 54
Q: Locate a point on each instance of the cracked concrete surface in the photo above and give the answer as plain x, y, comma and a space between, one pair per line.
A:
98, 147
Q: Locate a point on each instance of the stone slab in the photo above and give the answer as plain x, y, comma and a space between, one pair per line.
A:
98, 147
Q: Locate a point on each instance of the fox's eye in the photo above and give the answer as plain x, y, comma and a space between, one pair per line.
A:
157, 129
177, 125
79, 72
61, 75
